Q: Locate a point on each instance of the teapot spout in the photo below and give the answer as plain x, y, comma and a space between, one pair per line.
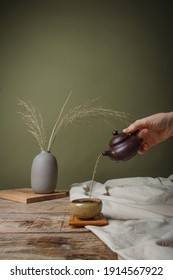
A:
107, 153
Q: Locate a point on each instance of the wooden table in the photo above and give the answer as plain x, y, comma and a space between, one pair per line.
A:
41, 230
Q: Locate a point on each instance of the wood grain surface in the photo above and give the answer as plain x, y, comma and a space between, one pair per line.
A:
26, 195
41, 230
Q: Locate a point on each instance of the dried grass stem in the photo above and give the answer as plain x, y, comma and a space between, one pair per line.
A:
80, 114
33, 119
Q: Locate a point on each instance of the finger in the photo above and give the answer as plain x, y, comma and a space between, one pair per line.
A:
143, 148
137, 125
142, 133
130, 129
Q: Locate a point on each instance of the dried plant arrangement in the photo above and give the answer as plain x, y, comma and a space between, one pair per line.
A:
33, 119
80, 114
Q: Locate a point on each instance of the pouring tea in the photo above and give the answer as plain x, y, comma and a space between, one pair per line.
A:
122, 146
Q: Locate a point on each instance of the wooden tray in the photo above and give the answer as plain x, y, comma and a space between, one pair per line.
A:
98, 221
26, 195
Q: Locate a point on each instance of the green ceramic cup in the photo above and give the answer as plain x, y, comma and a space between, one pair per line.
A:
86, 208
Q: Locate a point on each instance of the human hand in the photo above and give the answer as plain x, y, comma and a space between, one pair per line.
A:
152, 129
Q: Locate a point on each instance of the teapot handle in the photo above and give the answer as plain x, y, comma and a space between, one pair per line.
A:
135, 133
115, 132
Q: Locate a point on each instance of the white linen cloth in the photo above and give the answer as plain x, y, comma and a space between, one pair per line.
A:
140, 215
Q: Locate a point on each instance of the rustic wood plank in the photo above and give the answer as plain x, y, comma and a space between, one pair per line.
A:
36, 222
26, 195
54, 246
54, 206
41, 231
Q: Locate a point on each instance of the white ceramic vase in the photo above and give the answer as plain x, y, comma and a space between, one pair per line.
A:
44, 173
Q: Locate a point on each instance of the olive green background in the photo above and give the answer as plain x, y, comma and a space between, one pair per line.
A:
118, 50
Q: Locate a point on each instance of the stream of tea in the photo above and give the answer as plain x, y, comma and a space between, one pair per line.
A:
94, 173
123, 117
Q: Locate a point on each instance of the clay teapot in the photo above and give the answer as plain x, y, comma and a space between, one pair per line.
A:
123, 146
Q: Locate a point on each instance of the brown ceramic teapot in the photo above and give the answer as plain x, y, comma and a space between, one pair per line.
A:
123, 146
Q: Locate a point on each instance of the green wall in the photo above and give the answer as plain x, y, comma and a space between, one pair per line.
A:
119, 50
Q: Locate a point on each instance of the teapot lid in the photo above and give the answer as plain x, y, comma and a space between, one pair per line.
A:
117, 138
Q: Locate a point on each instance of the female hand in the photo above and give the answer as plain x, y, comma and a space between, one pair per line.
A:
153, 129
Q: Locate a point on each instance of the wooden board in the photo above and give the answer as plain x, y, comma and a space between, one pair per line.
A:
98, 221
26, 195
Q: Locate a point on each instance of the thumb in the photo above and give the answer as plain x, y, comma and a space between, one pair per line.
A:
137, 125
